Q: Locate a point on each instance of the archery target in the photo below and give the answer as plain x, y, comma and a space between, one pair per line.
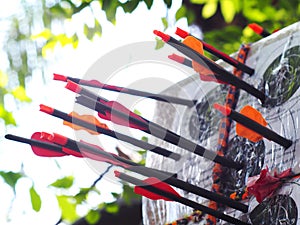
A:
276, 60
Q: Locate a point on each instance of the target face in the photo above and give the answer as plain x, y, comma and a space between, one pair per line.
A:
276, 60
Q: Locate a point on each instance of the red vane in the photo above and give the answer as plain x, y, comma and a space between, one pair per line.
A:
97, 83
176, 58
181, 33
163, 36
46, 109
72, 152
256, 28
117, 173
58, 139
101, 157
223, 109
42, 136
158, 184
59, 77
73, 86
119, 120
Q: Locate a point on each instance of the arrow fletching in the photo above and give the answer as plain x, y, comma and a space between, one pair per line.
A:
44, 152
87, 118
119, 120
158, 184
205, 73
245, 132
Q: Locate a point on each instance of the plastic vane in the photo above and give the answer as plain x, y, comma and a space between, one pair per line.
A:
204, 72
256, 125
87, 118
255, 115
259, 30
155, 183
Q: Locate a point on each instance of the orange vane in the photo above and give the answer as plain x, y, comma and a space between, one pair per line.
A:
87, 118
205, 73
245, 132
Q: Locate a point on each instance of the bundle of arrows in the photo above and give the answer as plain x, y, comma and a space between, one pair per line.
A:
158, 184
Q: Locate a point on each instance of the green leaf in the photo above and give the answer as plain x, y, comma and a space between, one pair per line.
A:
7, 116
63, 39
128, 194
93, 216
168, 3
209, 9
144, 138
137, 112
112, 207
48, 47
20, 94
68, 208
75, 41
255, 15
130, 5
65, 182
61, 12
115, 195
181, 12
88, 32
110, 8
11, 178
82, 195
45, 34
198, 1
35, 199
148, 3
98, 28
3, 79
159, 43
165, 22
190, 16
228, 10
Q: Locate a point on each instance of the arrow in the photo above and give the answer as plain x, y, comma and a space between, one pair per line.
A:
161, 192
108, 132
155, 183
218, 53
39, 145
259, 30
67, 146
97, 84
253, 125
204, 72
219, 72
181, 60
146, 126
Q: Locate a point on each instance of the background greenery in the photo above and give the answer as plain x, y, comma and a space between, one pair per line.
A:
39, 27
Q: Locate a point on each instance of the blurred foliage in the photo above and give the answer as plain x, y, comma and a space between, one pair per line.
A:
38, 27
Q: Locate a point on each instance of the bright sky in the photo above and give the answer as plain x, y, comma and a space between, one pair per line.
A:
130, 28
